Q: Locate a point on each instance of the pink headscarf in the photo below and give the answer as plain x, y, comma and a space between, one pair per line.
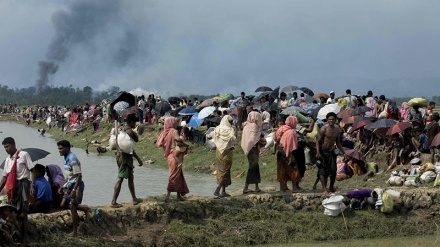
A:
165, 139
289, 140
404, 112
289, 124
251, 131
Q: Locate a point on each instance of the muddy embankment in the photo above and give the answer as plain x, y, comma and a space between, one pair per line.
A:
240, 220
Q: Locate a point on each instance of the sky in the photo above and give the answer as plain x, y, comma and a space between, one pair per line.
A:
174, 47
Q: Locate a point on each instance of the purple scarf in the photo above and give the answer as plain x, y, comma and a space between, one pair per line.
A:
56, 174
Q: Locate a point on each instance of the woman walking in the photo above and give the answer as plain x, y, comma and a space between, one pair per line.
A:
251, 141
224, 139
169, 139
287, 167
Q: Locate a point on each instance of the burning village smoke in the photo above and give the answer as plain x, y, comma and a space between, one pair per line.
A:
78, 26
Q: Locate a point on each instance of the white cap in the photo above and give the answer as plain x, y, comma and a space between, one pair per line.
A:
415, 161
332, 92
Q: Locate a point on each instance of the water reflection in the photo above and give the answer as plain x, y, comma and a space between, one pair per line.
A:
100, 172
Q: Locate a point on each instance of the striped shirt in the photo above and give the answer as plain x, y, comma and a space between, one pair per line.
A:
72, 167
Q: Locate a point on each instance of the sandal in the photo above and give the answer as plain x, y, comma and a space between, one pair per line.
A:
245, 191
117, 205
137, 201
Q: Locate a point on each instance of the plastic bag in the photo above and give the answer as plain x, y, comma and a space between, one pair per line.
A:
427, 177
387, 203
395, 181
125, 142
112, 140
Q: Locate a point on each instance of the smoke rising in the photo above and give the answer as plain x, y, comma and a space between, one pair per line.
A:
86, 24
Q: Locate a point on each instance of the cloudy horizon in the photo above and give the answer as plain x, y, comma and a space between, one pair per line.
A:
199, 47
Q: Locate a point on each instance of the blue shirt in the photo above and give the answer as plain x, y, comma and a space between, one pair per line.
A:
72, 167
43, 189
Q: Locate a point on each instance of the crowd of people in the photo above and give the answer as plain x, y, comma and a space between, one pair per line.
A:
241, 121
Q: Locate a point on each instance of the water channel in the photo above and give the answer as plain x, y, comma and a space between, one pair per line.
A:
99, 172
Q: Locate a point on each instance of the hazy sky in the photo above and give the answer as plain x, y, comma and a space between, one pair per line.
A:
209, 47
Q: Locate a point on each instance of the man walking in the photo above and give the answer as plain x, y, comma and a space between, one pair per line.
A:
73, 187
18, 183
125, 164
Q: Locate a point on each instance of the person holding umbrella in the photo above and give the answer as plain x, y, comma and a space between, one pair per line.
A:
18, 182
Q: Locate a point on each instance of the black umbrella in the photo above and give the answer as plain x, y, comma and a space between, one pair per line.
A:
264, 106
381, 123
263, 89
263, 95
162, 107
275, 93
215, 119
250, 97
34, 153
372, 119
289, 88
360, 110
175, 113
315, 111
176, 99
307, 91
273, 107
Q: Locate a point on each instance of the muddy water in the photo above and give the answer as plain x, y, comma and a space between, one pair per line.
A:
99, 172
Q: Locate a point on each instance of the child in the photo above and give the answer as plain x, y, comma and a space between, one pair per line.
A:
182, 147
43, 191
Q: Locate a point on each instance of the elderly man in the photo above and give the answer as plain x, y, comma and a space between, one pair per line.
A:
331, 100
16, 180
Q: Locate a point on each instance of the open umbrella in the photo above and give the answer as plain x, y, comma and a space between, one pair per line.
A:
292, 110
262, 95
327, 109
250, 97
289, 88
225, 97
307, 91
263, 89
382, 124
344, 113
34, 153
127, 111
360, 110
215, 119
398, 127
195, 121
206, 112
354, 154
121, 105
321, 95
314, 113
359, 124
175, 99
264, 106
275, 93
309, 107
418, 102
175, 112
162, 107
188, 111
349, 119
436, 141
207, 102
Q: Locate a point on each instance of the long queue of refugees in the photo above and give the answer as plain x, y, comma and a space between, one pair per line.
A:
298, 129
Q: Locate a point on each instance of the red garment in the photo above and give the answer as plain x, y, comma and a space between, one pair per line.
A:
165, 139
176, 182
11, 179
73, 118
